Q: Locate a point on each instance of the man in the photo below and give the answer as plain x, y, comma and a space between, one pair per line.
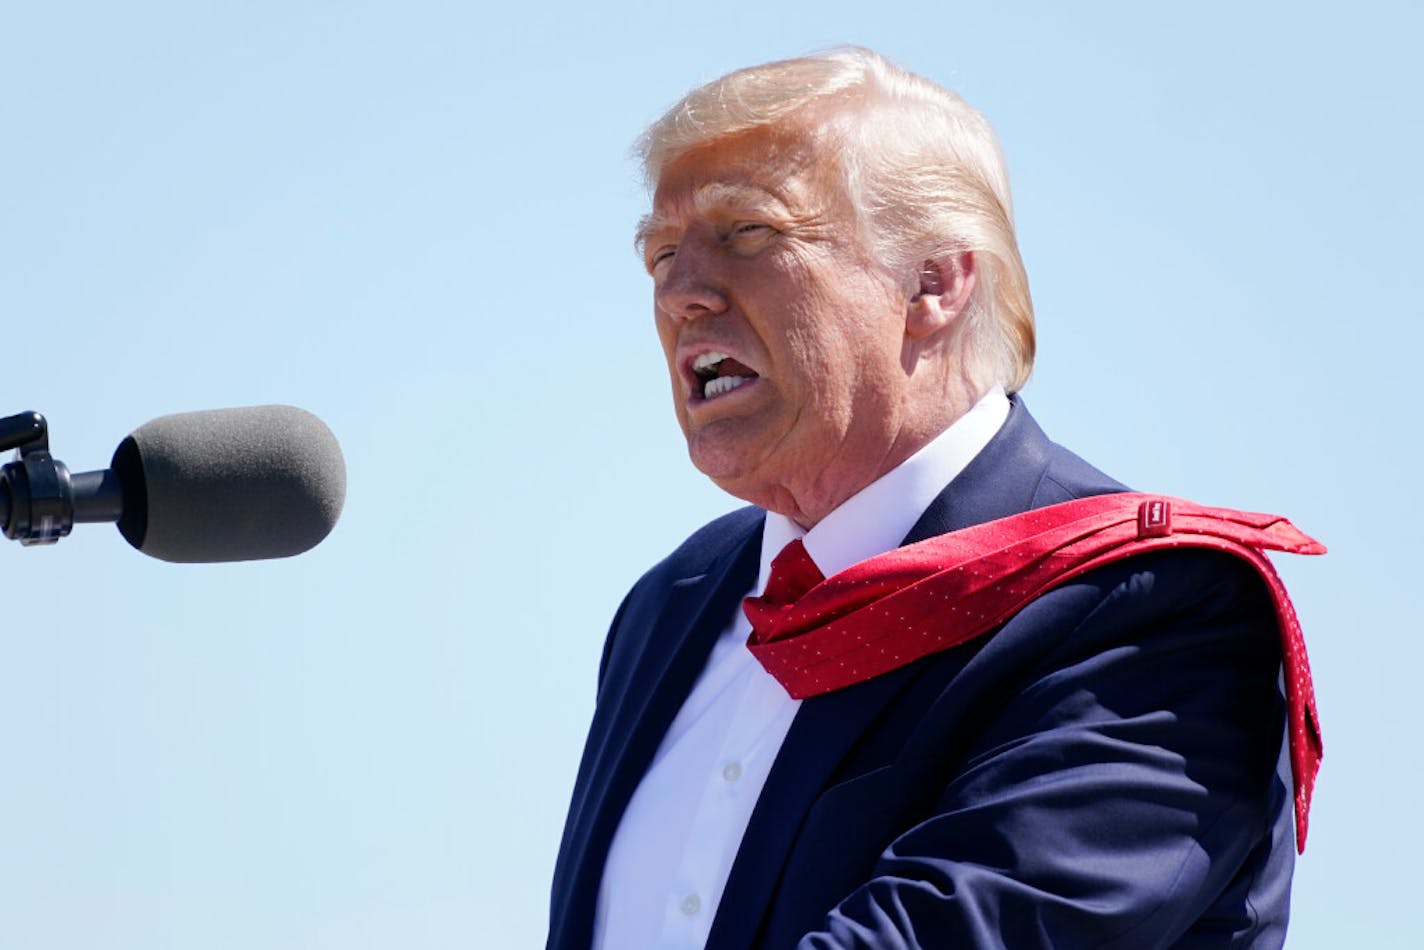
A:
845, 319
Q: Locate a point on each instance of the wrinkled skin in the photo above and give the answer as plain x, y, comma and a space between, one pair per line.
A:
754, 254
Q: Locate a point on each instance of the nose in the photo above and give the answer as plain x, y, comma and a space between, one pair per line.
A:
690, 287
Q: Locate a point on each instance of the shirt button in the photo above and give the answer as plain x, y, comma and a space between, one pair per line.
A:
732, 771
691, 904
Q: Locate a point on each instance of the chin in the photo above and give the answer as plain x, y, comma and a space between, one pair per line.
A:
719, 466
729, 468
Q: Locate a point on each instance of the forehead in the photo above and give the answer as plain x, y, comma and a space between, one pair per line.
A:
776, 168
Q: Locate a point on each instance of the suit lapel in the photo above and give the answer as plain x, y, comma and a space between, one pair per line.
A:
823, 731
674, 651
1000, 481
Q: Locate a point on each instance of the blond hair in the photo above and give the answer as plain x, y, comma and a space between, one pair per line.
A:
922, 167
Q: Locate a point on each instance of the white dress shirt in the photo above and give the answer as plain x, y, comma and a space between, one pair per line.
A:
670, 858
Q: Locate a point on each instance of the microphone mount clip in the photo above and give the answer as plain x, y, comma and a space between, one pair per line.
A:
36, 495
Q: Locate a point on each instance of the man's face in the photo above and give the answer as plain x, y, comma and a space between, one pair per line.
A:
785, 343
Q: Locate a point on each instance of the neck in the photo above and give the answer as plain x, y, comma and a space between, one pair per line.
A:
810, 503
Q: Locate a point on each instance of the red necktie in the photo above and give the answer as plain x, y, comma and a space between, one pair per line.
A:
816, 634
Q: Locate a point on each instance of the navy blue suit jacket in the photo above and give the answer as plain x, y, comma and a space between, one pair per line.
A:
1105, 770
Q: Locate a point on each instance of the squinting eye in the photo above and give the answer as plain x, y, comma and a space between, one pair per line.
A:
749, 227
660, 256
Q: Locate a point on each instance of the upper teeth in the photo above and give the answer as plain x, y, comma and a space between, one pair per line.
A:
707, 362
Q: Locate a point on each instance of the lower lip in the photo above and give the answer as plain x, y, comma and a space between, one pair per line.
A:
695, 402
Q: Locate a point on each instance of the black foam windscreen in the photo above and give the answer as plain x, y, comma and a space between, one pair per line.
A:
230, 484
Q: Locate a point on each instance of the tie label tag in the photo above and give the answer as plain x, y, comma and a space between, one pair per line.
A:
1154, 518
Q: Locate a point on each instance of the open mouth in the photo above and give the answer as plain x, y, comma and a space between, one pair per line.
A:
718, 374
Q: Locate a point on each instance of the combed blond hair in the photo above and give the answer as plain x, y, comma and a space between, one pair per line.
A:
922, 167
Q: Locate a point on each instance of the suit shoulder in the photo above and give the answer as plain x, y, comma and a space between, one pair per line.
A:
709, 543
696, 556
700, 553
1186, 592
1195, 579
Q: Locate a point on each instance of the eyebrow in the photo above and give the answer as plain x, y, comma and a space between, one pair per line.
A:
713, 194
648, 224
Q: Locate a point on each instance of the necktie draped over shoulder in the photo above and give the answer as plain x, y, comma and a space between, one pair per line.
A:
816, 634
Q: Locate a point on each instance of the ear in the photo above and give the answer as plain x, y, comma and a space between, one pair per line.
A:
945, 285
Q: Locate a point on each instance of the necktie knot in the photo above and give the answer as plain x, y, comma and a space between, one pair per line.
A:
793, 573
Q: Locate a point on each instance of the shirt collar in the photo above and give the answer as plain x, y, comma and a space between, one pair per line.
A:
877, 518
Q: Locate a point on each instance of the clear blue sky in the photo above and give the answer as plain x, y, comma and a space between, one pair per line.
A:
414, 220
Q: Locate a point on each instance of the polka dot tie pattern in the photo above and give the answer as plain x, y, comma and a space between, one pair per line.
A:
816, 634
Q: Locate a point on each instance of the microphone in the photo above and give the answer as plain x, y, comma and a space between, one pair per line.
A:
196, 487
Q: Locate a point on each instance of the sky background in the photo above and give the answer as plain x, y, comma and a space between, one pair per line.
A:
415, 221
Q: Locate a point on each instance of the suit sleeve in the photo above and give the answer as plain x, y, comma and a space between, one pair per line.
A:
1120, 780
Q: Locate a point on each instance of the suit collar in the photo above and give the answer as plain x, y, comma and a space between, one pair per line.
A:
1002, 480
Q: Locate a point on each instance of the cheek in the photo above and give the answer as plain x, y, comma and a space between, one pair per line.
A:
807, 355
831, 336
667, 338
